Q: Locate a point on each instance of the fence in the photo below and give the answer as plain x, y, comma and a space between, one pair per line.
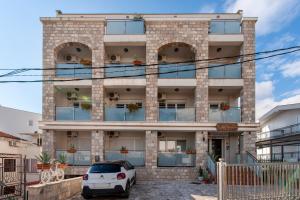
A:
258, 181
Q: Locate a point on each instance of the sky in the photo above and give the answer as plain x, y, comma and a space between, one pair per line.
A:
278, 26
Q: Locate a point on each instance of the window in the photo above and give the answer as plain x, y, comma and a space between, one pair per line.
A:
105, 168
9, 165
172, 145
172, 105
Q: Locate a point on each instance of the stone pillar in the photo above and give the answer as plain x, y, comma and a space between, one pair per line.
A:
48, 141
201, 91
151, 149
97, 145
248, 72
201, 142
248, 143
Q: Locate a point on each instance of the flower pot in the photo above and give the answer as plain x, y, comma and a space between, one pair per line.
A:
72, 150
190, 152
43, 166
200, 178
124, 151
137, 62
62, 165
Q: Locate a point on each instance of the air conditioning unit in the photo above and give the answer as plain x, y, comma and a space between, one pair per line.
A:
71, 59
12, 143
162, 96
114, 96
115, 58
160, 135
113, 134
163, 58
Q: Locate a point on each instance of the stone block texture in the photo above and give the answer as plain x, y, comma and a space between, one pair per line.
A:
48, 139
151, 149
97, 145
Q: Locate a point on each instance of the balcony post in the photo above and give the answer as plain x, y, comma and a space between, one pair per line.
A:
151, 149
97, 146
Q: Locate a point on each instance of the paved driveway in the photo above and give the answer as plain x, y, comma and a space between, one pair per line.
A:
167, 190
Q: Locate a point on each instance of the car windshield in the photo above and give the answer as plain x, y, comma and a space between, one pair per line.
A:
105, 168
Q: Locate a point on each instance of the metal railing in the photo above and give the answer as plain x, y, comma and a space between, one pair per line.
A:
175, 159
123, 70
123, 114
66, 70
79, 158
177, 71
211, 165
177, 114
258, 181
231, 115
225, 27
280, 132
125, 27
72, 113
136, 158
232, 71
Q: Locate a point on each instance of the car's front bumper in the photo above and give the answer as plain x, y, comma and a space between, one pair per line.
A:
118, 189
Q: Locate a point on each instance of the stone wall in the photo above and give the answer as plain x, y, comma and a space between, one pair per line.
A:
97, 145
48, 139
167, 173
201, 143
151, 149
59, 190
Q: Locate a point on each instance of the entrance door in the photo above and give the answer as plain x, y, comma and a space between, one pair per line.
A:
216, 148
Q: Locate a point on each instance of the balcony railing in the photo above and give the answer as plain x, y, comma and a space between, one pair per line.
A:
225, 27
80, 158
227, 71
281, 132
72, 113
177, 71
123, 70
231, 115
123, 114
121, 27
177, 114
136, 158
175, 159
73, 71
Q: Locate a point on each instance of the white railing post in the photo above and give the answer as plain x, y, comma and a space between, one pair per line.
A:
220, 177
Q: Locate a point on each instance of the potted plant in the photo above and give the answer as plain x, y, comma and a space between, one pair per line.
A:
44, 161
124, 150
85, 62
205, 177
133, 107
72, 149
62, 159
200, 174
225, 106
86, 105
189, 150
136, 61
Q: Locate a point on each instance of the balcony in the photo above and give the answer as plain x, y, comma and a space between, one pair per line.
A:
125, 27
136, 158
232, 71
123, 114
80, 158
177, 114
124, 71
176, 159
225, 27
278, 133
233, 114
73, 71
72, 114
177, 71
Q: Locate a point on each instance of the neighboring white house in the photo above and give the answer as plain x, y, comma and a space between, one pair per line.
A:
279, 138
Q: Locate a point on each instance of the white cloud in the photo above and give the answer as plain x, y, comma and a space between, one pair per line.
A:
291, 93
265, 100
291, 69
272, 14
208, 8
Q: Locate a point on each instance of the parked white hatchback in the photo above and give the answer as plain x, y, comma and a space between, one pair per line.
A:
103, 178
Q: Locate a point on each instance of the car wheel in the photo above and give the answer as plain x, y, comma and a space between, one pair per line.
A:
127, 191
85, 196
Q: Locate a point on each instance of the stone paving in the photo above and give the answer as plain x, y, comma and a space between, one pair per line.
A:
167, 190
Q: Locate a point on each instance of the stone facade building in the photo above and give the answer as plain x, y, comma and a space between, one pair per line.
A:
149, 88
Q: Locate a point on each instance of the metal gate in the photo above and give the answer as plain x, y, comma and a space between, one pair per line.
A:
259, 181
12, 176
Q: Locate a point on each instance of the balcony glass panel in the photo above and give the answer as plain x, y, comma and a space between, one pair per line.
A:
228, 71
73, 70
81, 157
134, 27
123, 114
71, 113
177, 114
174, 159
123, 70
281, 132
231, 115
176, 71
136, 158
225, 27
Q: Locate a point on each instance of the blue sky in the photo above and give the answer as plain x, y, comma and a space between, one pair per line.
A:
279, 26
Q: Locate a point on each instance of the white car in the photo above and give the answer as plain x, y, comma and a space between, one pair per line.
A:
115, 177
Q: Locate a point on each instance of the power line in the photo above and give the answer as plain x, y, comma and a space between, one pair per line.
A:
155, 73
21, 70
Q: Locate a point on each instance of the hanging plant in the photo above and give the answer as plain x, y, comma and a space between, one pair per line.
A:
86, 105
225, 106
85, 62
133, 107
136, 61
123, 150
190, 151
72, 149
